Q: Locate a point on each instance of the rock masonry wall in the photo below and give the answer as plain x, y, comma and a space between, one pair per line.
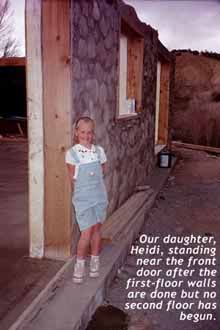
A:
129, 143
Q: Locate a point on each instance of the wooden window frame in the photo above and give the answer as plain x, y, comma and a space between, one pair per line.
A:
135, 59
161, 139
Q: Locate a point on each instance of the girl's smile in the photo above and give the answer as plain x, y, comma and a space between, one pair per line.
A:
85, 134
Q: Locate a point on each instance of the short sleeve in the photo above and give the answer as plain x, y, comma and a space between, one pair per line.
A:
103, 157
69, 159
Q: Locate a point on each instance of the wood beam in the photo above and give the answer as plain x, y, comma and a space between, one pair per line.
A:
34, 81
57, 126
196, 147
164, 103
12, 61
49, 126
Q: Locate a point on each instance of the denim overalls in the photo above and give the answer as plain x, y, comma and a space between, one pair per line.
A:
89, 196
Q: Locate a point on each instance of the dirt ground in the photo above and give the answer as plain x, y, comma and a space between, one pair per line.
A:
14, 204
188, 204
21, 278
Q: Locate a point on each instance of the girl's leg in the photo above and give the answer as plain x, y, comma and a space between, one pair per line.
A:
95, 250
82, 249
96, 239
84, 242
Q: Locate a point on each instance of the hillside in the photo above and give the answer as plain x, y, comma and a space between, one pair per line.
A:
196, 116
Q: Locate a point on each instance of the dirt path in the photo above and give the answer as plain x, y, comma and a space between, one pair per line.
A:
189, 204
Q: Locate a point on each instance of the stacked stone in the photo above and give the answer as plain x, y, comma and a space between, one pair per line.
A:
129, 143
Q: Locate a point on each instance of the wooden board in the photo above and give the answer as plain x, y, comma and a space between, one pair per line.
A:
12, 61
196, 147
120, 219
35, 128
57, 126
157, 102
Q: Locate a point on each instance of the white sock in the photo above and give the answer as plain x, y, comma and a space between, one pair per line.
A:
80, 261
94, 257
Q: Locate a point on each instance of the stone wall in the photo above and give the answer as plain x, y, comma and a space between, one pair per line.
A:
129, 143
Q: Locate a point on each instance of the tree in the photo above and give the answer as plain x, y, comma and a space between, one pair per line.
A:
9, 46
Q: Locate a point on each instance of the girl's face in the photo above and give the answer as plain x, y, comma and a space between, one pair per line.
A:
85, 133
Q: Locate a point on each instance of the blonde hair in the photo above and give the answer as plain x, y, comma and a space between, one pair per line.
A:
86, 120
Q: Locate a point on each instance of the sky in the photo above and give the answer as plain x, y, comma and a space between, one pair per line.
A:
182, 24
19, 26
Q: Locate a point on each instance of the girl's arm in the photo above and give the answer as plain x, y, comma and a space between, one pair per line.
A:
71, 172
104, 168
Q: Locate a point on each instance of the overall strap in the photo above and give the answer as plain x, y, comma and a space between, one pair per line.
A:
74, 156
97, 149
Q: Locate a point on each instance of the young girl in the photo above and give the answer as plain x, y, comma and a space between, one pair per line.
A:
86, 164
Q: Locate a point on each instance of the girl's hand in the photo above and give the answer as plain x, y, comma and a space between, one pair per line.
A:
71, 172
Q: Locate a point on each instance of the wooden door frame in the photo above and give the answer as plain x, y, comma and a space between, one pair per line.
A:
49, 106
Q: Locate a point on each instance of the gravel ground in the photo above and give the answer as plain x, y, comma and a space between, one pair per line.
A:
188, 204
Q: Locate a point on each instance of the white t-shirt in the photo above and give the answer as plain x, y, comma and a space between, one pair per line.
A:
85, 156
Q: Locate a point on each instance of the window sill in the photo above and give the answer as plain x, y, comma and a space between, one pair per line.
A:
158, 148
127, 116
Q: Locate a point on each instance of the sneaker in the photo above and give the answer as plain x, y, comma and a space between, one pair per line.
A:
79, 271
94, 266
